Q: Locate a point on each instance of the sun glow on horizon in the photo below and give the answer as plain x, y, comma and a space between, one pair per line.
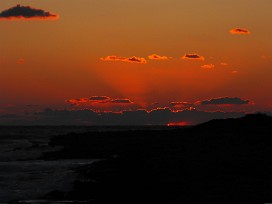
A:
181, 124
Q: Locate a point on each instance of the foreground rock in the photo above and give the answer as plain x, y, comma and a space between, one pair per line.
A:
223, 161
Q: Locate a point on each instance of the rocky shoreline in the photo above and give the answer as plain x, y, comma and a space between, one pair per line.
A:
226, 161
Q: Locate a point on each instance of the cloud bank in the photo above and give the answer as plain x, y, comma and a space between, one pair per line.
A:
26, 13
159, 116
103, 110
225, 101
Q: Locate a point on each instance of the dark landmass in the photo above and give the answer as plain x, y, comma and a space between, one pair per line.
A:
221, 161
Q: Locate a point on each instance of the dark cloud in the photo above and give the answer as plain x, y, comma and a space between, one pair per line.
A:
193, 57
137, 60
7, 116
26, 12
99, 98
138, 117
125, 101
125, 59
226, 101
66, 117
161, 116
240, 31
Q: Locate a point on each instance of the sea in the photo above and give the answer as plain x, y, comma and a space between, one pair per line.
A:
24, 178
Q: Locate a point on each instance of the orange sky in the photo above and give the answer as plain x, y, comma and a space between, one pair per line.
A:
46, 62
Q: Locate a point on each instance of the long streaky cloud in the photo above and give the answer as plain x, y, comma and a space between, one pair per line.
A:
240, 31
132, 59
121, 101
77, 100
97, 100
26, 13
225, 101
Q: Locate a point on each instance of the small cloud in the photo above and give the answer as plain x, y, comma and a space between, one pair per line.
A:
158, 57
265, 57
225, 101
224, 64
234, 72
125, 59
125, 101
208, 66
240, 31
193, 57
26, 13
21, 61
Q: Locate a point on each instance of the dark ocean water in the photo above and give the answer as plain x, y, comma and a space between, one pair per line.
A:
23, 176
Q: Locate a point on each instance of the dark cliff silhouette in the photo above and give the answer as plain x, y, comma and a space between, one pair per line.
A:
221, 161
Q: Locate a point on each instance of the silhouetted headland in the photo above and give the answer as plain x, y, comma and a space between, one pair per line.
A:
225, 161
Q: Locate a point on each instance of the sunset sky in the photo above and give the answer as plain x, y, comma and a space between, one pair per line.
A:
119, 55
